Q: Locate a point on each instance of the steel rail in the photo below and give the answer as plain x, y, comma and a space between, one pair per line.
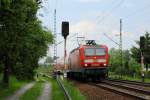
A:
130, 82
68, 97
124, 91
132, 87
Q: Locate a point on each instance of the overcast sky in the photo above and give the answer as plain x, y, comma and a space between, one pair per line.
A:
93, 18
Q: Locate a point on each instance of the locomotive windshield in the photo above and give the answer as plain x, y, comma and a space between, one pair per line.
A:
95, 51
89, 52
100, 51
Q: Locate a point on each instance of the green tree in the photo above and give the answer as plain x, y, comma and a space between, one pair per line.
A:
49, 59
146, 51
130, 66
22, 38
114, 60
136, 52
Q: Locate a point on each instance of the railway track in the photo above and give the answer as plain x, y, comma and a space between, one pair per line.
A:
130, 82
68, 97
136, 90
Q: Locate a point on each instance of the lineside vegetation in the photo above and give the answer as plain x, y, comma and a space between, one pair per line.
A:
131, 61
23, 40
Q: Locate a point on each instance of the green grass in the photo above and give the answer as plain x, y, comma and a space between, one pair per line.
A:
13, 86
45, 70
56, 93
73, 91
34, 92
114, 76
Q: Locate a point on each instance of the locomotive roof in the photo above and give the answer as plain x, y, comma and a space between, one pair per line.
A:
93, 46
88, 46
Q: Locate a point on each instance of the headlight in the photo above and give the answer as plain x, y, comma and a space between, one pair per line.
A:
88, 60
85, 65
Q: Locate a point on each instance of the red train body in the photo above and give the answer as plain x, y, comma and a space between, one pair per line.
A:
88, 61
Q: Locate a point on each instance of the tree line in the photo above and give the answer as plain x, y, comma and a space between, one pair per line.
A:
23, 40
131, 59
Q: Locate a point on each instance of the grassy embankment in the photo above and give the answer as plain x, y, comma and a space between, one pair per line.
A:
13, 86
34, 92
73, 91
58, 94
45, 70
114, 76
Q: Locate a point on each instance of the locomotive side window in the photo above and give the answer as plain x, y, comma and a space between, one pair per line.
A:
100, 51
89, 52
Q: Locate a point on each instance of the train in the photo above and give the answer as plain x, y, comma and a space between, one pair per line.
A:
59, 67
88, 62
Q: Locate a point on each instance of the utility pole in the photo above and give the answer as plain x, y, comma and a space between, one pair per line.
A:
120, 46
55, 40
65, 54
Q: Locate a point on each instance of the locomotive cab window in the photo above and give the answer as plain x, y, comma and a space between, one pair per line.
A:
100, 51
89, 52
95, 51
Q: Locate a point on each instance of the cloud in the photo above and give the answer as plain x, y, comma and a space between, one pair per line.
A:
117, 33
85, 26
94, 25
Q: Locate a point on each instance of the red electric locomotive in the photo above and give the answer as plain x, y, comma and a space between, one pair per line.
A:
88, 62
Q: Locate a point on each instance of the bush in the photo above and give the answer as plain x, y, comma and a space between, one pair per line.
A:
1, 68
23, 72
147, 74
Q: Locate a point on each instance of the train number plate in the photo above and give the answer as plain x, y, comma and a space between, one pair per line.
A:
95, 64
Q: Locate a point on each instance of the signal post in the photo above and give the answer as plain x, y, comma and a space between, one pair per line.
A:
142, 44
65, 33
